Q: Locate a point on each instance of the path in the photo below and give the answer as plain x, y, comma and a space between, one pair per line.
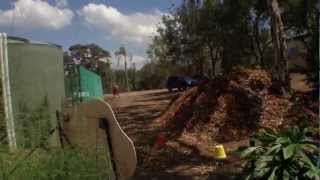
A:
136, 112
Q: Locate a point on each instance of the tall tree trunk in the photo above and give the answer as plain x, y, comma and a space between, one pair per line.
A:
200, 64
279, 44
134, 77
213, 61
253, 48
126, 73
257, 40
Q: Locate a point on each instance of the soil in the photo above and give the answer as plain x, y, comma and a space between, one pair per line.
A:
227, 111
183, 157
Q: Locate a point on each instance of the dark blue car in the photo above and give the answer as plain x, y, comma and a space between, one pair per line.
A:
180, 82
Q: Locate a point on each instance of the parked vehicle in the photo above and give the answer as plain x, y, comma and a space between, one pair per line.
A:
180, 82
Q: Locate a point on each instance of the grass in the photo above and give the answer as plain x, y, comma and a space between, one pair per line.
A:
66, 164
36, 160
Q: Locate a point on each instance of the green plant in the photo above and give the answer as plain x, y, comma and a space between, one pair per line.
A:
33, 125
66, 164
287, 154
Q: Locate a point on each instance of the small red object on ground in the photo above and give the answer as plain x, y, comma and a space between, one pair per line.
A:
161, 141
115, 91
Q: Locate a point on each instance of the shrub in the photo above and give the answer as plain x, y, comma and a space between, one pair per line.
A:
288, 154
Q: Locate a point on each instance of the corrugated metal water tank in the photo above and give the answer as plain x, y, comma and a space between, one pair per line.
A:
33, 91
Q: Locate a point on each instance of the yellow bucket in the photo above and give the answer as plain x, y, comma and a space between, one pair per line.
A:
219, 153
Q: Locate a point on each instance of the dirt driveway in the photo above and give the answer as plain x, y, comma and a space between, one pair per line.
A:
136, 111
181, 159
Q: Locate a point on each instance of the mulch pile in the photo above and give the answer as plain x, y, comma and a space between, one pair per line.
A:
233, 107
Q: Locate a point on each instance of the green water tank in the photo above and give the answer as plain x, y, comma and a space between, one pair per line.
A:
33, 90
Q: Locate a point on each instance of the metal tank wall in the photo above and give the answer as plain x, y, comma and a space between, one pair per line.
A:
83, 85
36, 80
90, 85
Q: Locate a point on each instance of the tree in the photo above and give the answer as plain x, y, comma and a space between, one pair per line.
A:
209, 31
91, 56
123, 53
132, 75
198, 35
279, 43
301, 23
151, 76
202, 37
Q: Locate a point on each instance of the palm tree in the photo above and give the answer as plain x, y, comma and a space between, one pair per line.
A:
122, 52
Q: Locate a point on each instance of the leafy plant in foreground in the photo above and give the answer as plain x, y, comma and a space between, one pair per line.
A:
288, 154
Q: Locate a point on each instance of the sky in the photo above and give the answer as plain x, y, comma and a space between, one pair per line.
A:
108, 23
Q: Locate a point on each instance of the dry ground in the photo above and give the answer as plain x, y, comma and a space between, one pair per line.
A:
182, 158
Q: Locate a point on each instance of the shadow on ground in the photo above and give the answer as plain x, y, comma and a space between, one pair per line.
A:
136, 112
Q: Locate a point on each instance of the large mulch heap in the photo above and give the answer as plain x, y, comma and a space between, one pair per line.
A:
233, 107
227, 110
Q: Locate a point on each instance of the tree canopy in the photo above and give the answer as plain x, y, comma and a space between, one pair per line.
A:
209, 37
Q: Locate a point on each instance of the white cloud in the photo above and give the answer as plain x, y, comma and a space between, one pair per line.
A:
138, 60
129, 28
36, 14
61, 3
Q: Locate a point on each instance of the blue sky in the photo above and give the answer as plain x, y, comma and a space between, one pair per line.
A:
108, 23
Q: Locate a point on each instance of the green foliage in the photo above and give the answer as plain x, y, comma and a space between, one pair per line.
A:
3, 132
91, 56
39, 160
33, 125
149, 77
211, 36
198, 35
67, 164
118, 77
156, 78
288, 154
